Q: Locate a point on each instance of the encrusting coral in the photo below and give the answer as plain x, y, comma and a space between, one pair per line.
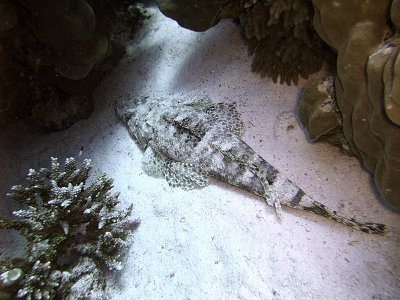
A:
74, 234
365, 35
319, 113
77, 33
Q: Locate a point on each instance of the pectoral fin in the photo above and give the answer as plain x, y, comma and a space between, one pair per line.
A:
178, 174
184, 175
153, 164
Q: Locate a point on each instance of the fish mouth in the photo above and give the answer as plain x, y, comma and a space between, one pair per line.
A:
125, 106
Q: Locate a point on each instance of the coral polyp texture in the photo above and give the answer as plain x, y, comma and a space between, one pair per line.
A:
74, 234
280, 33
286, 45
366, 36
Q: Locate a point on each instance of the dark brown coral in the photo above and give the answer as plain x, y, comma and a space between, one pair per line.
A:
285, 43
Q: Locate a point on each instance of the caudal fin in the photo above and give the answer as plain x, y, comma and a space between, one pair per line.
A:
304, 202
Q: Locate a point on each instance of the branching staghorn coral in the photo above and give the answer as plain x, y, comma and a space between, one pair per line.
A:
72, 229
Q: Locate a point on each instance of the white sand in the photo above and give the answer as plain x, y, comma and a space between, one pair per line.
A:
220, 242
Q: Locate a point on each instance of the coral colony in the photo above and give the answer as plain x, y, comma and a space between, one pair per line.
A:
74, 234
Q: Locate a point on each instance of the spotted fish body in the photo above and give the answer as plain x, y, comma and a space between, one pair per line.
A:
188, 141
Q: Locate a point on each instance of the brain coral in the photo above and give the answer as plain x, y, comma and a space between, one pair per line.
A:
368, 82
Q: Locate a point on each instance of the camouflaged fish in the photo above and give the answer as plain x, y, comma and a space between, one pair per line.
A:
188, 141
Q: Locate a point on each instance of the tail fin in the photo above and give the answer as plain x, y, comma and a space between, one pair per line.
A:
266, 181
304, 202
288, 194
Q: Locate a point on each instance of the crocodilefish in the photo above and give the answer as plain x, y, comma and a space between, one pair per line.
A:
188, 141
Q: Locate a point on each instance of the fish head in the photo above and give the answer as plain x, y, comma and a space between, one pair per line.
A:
133, 111
140, 131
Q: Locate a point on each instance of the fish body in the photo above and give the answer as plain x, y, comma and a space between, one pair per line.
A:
188, 141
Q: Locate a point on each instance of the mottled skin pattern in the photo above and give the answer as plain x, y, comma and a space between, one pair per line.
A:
187, 141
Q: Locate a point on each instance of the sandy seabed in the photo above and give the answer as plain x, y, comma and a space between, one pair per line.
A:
220, 242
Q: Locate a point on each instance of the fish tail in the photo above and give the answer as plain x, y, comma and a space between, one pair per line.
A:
304, 202
259, 177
